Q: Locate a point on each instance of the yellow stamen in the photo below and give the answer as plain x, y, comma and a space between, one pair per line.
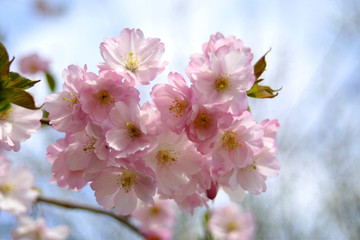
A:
179, 107
89, 146
104, 98
166, 158
202, 120
133, 131
155, 210
222, 84
132, 62
6, 115
6, 188
231, 227
230, 141
126, 181
72, 99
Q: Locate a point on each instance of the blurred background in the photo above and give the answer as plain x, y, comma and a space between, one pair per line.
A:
314, 58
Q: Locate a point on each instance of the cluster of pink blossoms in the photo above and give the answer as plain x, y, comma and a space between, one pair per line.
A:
187, 143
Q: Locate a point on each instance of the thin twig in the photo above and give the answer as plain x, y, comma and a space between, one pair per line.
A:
71, 205
45, 121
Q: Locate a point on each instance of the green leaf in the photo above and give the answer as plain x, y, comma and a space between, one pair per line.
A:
259, 91
4, 61
18, 81
51, 81
4, 104
19, 97
260, 65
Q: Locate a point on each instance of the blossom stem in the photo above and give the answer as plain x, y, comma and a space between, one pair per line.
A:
71, 205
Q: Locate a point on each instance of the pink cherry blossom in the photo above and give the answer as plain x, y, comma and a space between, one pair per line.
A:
231, 223
174, 160
263, 164
173, 101
121, 187
133, 128
236, 145
62, 175
133, 56
16, 190
160, 214
64, 108
98, 97
37, 230
16, 125
224, 73
32, 64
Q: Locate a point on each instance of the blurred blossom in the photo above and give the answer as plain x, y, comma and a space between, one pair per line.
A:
231, 223
32, 64
48, 8
37, 230
16, 188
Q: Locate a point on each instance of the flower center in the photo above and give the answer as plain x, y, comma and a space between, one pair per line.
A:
222, 84
202, 120
72, 99
104, 98
178, 107
230, 141
132, 62
231, 227
126, 181
133, 131
155, 210
6, 188
6, 115
166, 158
89, 146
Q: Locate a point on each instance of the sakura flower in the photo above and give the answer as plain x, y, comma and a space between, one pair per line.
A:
32, 64
132, 128
97, 98
236, 145
173, 101
37, 230
64, 108
263, 164
174, 160
160, 214
133, 56
62, 175
16, 190
223, 75
16, 125
122, 186
159, 233
231, 223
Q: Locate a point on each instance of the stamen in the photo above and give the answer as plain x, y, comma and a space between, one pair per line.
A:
223, 84
202, 120
72, 99
166, 158
6, 188
89, 146
104, 98
126, 180
231, 227
133, 131
155, 210
6, 115
230, 141
132, 62
179, 107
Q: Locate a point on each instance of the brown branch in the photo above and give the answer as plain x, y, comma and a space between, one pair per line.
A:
45, 121
71, 205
